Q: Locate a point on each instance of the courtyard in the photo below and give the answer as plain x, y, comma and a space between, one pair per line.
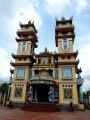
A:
18, 114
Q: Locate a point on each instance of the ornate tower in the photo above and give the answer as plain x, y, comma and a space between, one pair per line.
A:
69, 83
24, 59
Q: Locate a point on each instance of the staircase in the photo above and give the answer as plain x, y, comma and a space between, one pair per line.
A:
41, 107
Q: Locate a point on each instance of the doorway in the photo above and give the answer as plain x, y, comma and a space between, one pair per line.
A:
42, 93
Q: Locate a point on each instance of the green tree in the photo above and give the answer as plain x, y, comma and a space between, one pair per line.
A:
4, 88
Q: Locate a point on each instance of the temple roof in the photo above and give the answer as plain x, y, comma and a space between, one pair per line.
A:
45, 53
63, 20
30, 23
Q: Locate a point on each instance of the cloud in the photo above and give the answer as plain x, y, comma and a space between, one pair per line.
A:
85, 39
16, 11
84, 56
4, 63
56, 6
81, 5
60, 7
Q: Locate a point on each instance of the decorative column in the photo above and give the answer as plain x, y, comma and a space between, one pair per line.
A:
29, 94
51, 94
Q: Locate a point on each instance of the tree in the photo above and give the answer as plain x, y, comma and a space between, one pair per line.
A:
4, 90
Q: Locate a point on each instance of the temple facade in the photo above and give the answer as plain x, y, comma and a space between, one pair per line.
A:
49, 77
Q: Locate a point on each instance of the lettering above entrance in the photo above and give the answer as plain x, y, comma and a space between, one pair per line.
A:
42, 82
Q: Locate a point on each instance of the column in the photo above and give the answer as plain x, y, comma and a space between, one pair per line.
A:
36, 97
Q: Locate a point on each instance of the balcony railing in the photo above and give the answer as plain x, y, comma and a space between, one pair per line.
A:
42, 77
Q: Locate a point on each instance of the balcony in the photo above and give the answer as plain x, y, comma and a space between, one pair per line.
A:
64, 27
79, 81
26, 32
42, 79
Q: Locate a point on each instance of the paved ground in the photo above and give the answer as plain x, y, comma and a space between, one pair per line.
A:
17, 114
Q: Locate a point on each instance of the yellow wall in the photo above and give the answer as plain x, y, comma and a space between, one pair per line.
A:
68, 82
74, 99
19, 85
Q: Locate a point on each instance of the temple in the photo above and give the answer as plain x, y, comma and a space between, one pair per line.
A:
47, 77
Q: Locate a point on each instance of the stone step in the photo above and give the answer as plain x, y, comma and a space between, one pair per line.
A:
41, 107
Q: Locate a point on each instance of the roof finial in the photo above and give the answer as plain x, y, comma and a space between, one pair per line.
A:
62, 18
45, 49
71, 17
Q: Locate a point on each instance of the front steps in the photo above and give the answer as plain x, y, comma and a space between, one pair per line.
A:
41, 107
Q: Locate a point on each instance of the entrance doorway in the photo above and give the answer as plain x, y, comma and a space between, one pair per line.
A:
42, 93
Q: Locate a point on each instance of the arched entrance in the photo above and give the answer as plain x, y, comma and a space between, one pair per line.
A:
42, 91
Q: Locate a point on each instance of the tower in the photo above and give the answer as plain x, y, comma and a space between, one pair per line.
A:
69, 83
24, 60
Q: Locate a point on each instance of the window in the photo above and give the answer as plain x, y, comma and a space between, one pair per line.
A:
67, 93
56, 74
44, 60
67, 72
36, 73
65, 45
39, 61
23, 47
32, 49
18, 92
49, 60
30, 73
20, 73
50, 72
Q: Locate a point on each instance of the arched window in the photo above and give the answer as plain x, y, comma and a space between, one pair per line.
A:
23, 47
65, 45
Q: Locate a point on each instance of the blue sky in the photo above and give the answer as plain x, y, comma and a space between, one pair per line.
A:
44, 13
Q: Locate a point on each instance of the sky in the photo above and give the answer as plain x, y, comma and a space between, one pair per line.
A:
44, 14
